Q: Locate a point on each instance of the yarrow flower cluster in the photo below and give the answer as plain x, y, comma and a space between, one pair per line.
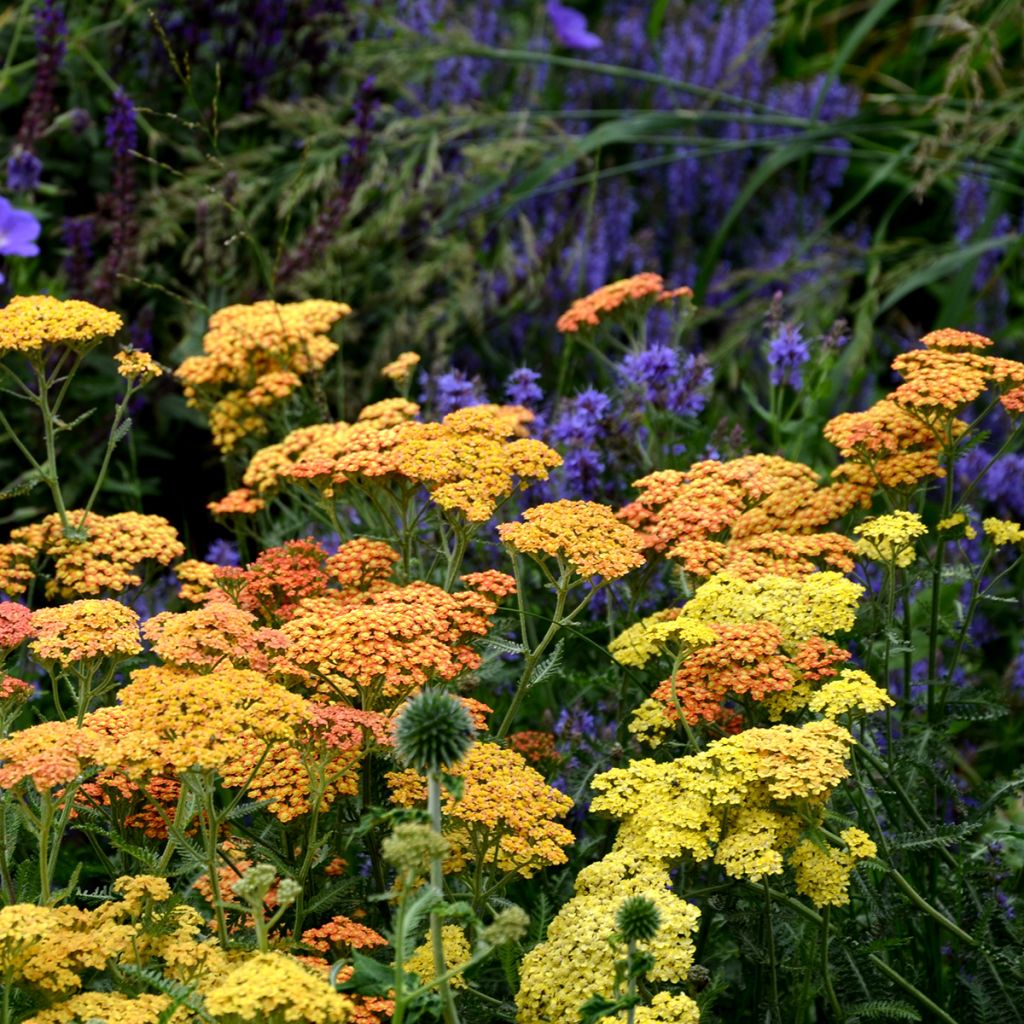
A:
630, 297
253, 357
109, 558
769, 511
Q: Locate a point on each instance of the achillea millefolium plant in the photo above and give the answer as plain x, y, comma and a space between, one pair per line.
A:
449, 730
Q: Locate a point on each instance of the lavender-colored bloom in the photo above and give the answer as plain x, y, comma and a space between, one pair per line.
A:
24, 169
222, 552
521, 388
451, 391
121, 130
570, 27
18, 232
1017, 675
787, 354
79, 235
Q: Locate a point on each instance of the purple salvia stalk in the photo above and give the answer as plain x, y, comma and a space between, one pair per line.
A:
122, 135
353, 167
23, 167
79, 235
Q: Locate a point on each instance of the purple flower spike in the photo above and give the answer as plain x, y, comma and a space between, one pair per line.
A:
787, 353
23, 170
18, 231
571, 28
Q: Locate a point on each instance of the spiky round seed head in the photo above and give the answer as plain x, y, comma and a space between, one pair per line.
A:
638, 919
433, 732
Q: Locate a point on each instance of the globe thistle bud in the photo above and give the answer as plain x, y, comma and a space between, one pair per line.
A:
433, 732
638, 919
411, 847
509, 925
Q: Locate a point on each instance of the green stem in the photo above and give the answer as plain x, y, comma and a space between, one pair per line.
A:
45, 824
774, 978
533, 658
210, 836
940, 558
451, 1015
911, 990
112, 439
630, 982
826, 973
53, 480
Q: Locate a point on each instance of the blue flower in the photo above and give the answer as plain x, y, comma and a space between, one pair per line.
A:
571, 28
521, 387
23, 170
18, 232
787, 353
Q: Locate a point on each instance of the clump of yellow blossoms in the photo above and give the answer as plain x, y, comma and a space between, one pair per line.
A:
254, 356
851, 692
271, 988
575, 962
85, 629
749, 517
456, 951
110, 558
742, 802
1003, 531
583, 534
134, 365
890, 538
821, 604
111, 1008
28, 322
823, 871
505, 816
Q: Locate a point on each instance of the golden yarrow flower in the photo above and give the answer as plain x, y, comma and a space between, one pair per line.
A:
585, 535
28, 322
85, 629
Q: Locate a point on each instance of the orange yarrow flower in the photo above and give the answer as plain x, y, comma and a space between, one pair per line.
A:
631, 294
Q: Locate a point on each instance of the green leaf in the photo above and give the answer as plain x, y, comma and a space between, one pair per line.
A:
550, 665
22, 484
370, 977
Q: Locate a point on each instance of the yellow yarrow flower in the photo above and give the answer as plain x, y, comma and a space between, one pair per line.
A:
272, 987
134, 365
456, 952
111, 1008
957, 522
1003, 531
820, 604
823, 872
890, 538
657, 634
851, 692
28, 322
